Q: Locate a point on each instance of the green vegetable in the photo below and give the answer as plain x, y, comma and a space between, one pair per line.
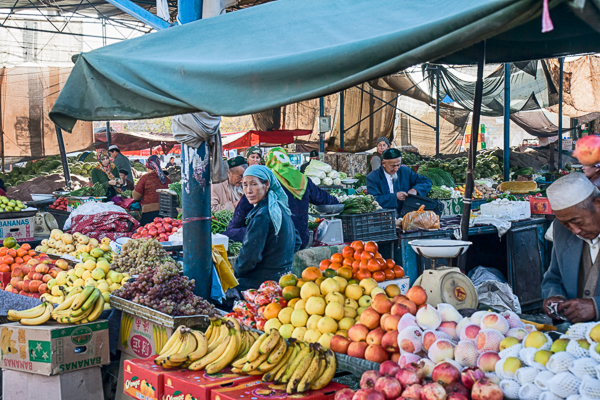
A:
437, 192
359, 204
362, 180
96, 191
234, 249
176, 187
220, 220
437, 176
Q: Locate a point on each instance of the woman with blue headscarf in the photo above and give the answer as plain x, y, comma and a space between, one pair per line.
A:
271, 238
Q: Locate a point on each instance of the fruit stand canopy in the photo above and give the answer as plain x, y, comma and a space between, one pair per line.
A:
236, 64
240, 140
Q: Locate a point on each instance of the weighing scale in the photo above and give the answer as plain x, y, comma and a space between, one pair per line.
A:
445, 284
330, 230
44, 223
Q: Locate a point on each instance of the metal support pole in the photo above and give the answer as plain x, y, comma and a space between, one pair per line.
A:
197, 240
108, 137
342, 120
560, 112
63, 157
321, 134
437, 111
506, 152
464, 222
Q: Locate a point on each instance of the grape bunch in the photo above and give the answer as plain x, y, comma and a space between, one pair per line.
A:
137, 255
165, 289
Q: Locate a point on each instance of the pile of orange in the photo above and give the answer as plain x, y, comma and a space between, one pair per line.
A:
11, 259
361, 261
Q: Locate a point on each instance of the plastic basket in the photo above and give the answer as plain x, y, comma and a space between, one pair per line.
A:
74, 202
167, 205
376, 226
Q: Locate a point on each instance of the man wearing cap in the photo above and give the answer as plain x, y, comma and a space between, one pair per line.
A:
120, 161
227, 194
382, 144
254, 156
314, 155
392, 183
572, 280
126, 184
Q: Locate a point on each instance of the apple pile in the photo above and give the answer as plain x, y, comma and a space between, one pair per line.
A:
376, 335
393, 382
160, 229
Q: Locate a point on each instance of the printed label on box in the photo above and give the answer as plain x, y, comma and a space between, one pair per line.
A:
140, 337
188, 385
19, 228
143, 379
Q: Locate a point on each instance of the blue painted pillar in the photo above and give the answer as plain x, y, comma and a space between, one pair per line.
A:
437, 111
342, 120
197, 246
506, 153
560, 112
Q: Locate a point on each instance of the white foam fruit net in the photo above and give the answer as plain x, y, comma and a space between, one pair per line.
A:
463, 336
488, 340
477, 316
547, 395
542, 378
408, 358
526, 354
574, 348
529, 392
597, 368
574, 397
437, 353
449, 313
437, 334
530, 328
564, 384
583, 366
535, 364
513, 319
499, 369
545, 346
405, 321
590, 387
518, 333
465, 353
410, 340
498, 323
512, 351
594, 353
560, 362
428, 317
526, 375
578, 331
510, 388
461, 324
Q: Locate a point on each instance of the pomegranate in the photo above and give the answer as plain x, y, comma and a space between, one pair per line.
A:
368, 379
433, 391
367, 394
486, 390
389, 387
412, 392
344, 394
457, 387
445, 373
389, 368
457, 396
471, 375
407, 377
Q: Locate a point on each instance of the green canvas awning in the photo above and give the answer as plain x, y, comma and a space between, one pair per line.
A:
291, 50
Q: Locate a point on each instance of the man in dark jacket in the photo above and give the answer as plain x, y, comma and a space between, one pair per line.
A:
392, 182
314, 155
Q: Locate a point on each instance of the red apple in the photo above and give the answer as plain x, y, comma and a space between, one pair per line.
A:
389, 341
339, 344
375, 336
445, 373
486, 390
389, 387
433, 391
357, 349
381, 303
370, 318
358, 333
398, 297
391, 323
382, 320
376, 353
399, 309
389, 368
368, 379
395, 357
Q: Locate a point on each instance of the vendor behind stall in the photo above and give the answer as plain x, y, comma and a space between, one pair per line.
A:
254, 156
126, 184
227, 194
271, 240
313, 155
106, 173
392, 182
573, 277
300, 192
146, 189
382, 144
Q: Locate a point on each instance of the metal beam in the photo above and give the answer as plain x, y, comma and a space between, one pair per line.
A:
506, 153
63, 157
140, 13
321, 134
560, 112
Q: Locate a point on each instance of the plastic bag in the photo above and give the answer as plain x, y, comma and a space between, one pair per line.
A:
420, 219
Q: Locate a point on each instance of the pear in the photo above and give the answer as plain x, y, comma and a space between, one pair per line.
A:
535, 339
595, 333
512, 364
584, 343
508, 342
542, 356
559, 345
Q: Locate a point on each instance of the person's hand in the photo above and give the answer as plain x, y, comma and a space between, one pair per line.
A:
112, 182
546, 305
578, 310
413, 191
401, 196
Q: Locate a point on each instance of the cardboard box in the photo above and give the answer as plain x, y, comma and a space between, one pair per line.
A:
260, 390
403, 284
85, 384
143, 379
140, 337
120, 394
540, 205
54, 348
20, 228
199, 385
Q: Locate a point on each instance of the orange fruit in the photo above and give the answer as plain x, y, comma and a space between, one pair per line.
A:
398, 271
347, 252
272, 310
290, 292
288, 280
389, 274
348, 261
12, 253
312, 273
379, 276
371, 247
363, 274
26, 246
324, 265
329, 273
366, 256
21, 252
337, 258
345, 272
335, 266
3, 251
357, 254
7, 260
357, 245
364, 264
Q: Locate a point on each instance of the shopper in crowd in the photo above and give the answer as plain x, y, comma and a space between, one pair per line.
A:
313, 155
145, 190
106, 173
271, 240
300, 192
382, 144
571, 283
392, 182
126, 184
2, 188
171, 162
254, 156
592, 172
120, 160
227, 194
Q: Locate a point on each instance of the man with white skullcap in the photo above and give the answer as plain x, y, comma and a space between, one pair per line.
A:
573, 277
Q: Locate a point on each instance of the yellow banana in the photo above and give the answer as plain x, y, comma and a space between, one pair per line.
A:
300, 371
172, 340
209, 331
65, 304
228, 355
173, 350
217, 332
92, 299
254, 335
293, 364
236, 370
40, 319
189, 345
253, 365
270, 376
74, 291
278, 351
270, 342
254, 351
327, 375
311, 373
201, 346
82, 297
31, 313
96, 311
239, 363
210, 357
74, 320
322, 366
222, 334
279, 375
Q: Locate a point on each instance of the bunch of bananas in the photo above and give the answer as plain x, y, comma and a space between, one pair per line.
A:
82, 305
34, 316
296, 368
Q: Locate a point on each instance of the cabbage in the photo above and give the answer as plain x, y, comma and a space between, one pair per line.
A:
333, 174
315, 172
320, 165
315, 180
343, 175
327, 181
337, 181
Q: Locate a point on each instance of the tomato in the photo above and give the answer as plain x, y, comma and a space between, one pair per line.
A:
379, 276
389, 274
398, 271
373, 265
158, 219
168, 220
371, 247
324, 265
153, 232
357, 245
363, 274
26, 246
7, 260
168, 227
161, 229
